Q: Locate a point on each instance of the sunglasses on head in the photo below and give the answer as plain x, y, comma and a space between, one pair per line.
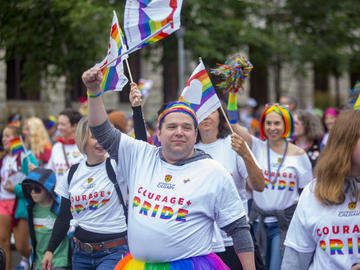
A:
33, 187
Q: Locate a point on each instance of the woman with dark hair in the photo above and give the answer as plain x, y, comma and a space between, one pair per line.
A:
231, 152
325, 226
308, 131
65, 153
286, 169
328, 119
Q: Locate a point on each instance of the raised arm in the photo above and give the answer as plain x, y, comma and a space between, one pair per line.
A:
96, 109
255, 177
139, 124
238, 129
102, 130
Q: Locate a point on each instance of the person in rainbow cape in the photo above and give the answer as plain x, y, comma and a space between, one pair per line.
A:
175, 191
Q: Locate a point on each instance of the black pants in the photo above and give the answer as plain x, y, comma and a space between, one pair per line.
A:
230, 258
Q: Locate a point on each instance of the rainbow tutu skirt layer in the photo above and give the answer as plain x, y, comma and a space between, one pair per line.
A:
207, 262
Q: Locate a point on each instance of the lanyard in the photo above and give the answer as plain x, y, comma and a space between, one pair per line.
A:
281, 162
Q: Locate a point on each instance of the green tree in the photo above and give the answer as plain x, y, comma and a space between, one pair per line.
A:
68, 36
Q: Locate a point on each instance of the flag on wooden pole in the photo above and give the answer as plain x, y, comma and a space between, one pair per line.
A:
113, 71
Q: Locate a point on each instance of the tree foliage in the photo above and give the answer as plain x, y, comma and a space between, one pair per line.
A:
68, 36
72, 35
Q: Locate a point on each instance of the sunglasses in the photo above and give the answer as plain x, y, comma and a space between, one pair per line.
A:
33, 187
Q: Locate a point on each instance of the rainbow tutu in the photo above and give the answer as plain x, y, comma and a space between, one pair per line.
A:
206, 262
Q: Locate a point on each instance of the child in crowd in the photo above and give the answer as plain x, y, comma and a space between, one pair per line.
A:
43, 205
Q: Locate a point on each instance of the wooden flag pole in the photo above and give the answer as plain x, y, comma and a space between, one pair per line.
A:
128, 67
131, 79
227, 120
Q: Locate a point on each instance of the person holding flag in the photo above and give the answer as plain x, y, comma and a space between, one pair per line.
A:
230, 151
286, 169
176, 192
15, 162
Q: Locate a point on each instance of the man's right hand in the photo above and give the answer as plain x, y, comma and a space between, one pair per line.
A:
92, 79
47, 261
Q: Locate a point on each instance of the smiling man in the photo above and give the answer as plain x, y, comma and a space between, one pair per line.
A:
176, 191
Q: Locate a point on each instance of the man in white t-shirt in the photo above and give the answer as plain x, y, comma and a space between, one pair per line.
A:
176, 192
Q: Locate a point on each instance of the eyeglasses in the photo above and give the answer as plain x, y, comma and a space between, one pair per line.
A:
32, 187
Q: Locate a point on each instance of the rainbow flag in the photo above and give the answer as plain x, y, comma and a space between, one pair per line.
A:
148, 21
113, 75
16, 146
200, 94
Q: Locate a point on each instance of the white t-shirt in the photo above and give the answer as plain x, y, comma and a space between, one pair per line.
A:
172, 208
295, 173
95, 205
221, 151
57, 161
8, 168
332, 232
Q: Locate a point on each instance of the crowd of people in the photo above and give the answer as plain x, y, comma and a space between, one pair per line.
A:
99, 190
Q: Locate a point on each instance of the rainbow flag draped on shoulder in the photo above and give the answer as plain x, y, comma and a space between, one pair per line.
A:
148, 21
113, 75
16, 146
200, 94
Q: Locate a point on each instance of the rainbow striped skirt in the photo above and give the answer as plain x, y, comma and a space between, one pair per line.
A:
206, 262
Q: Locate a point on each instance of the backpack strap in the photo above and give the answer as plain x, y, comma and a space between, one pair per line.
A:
112, 177
72, 170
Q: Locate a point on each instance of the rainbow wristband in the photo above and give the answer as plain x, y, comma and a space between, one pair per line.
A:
93, 96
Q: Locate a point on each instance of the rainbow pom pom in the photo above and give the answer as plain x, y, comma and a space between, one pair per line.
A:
233, 73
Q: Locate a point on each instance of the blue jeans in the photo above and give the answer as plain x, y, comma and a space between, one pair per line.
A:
273, 255
98, 260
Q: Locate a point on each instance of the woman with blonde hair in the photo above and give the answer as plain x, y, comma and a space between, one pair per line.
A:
325, 225
99, 220
37, 139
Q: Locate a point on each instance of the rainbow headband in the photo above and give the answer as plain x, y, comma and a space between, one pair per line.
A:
177, 107
286, 116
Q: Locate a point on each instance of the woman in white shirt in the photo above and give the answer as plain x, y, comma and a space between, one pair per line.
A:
286, 169
95, 206
214, 138
324, 232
